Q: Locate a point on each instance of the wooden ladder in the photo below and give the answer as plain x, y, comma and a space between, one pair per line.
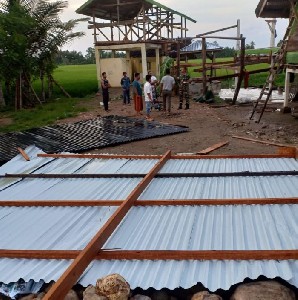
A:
276, 66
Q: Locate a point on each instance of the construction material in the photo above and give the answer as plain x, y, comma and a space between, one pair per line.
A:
212, 148
24, 154
84, 135
277, 64
259, 141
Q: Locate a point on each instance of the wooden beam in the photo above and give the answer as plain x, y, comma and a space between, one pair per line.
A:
75, 270
103, 156
231, 156
155, 255
32, 203
73, 175
24, 154
261, 142
167, 202
198, 255
221, 37
204, 71
242, 70
212, 202
213, 147
214, 31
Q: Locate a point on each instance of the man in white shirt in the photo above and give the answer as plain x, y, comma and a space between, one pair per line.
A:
148, 97
167, 85
154, 83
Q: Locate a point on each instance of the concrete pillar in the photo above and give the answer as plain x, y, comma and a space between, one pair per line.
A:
144, 61
98, 69
157, 61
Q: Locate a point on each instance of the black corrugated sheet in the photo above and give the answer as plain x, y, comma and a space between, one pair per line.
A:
84, 135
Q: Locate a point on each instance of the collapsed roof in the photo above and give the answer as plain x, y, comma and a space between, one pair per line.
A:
186, 212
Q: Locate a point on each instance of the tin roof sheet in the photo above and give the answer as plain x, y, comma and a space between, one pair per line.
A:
226, 165
171, 274
70, 189
221, 188
50, 228
231, 227
11, 270
196, 46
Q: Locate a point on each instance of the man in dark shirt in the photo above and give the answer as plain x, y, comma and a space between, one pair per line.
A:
137, 94
105, 90
125, 83
184, 89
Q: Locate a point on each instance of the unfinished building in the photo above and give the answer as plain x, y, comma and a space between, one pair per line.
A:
137, 28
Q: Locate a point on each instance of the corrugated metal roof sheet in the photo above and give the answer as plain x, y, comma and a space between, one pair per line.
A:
70, 189
11, 270
229, 165
241, 227
172, 274
196, 45
50, 228
221, 188
19, 165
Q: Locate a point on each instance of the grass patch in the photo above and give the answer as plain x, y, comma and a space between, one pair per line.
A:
42, 115
78, 80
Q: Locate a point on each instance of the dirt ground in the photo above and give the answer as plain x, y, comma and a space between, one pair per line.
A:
208, 124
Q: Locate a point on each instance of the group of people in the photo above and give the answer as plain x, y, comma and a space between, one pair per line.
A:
149, 90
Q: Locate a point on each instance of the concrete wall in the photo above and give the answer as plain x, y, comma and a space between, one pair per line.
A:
137, 65
114, 67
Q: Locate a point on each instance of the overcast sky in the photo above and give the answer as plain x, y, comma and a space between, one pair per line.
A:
209, 14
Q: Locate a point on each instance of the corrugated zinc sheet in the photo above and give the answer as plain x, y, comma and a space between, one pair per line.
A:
70, 189
19, 165
171, 274
50, 228
229, 165
221, 188
11, 270
196, 45
240, 227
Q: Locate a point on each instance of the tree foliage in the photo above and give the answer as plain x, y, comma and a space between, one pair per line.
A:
31, 34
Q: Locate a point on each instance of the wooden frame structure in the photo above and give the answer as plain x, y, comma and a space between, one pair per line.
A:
93, 251
284, 9
137, 25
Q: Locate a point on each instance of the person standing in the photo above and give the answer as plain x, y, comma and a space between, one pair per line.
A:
166, 86
154, 83
148, 97
137, 94
125, 83
184, 89
105, 90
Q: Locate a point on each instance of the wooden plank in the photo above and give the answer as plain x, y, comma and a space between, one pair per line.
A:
73, 175
34, 203
75, 270
261, 142
156, 254
211, 202
24, 154
218, 30
199, 255
39, 254
167, 202
213, 147
103, 156
231, 156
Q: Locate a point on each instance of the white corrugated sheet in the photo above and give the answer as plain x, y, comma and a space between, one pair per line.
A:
70, 189
240, 227
172, 274
11, 270
226, 165
174, 227
50, 228
221, 188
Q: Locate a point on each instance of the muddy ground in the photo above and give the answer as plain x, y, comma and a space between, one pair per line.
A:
208, 124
